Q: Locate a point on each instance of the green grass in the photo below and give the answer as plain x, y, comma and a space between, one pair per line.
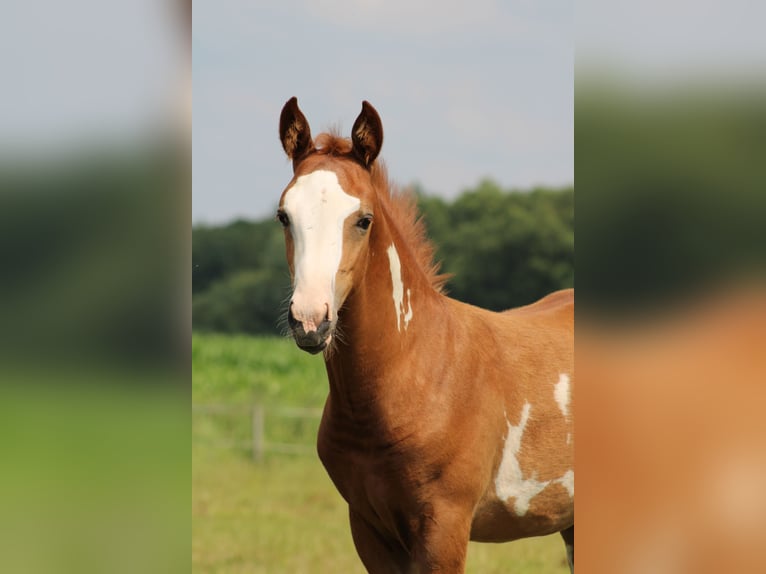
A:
243, 369
284, 514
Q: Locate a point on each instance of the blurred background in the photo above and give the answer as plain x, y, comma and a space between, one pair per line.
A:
671, 319
95, 202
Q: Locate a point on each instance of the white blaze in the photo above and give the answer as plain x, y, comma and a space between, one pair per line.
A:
397, 293
510, 482
317, 207
561, 393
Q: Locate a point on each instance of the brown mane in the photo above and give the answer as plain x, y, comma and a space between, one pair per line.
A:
332, 144
401, 207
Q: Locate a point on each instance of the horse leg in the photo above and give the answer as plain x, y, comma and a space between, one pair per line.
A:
568, 536
442, 543
376, 553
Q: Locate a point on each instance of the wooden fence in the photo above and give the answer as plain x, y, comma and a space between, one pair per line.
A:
259, 443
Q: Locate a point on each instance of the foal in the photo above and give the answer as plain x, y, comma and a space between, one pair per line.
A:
444, 422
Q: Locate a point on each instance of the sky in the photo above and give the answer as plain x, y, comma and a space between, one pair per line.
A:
466, 91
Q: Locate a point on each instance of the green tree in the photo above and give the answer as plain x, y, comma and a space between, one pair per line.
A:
219, 251
246, 301
239, 277
504, 249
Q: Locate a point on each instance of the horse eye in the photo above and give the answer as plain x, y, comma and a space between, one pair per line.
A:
283, 219
364, 222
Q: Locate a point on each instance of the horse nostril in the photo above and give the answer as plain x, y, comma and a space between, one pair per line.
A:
324, 328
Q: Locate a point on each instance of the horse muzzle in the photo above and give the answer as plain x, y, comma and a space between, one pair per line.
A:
312, 340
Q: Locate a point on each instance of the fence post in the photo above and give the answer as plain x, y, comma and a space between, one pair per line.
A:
258, 428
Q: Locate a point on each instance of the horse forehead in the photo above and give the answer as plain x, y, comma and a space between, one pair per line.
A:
319, 194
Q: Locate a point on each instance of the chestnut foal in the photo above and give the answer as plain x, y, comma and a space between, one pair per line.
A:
444, 422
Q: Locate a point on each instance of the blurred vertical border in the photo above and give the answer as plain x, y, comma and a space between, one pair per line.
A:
95, 204
670, 143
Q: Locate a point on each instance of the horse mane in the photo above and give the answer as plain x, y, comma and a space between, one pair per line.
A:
401, 207
333, 144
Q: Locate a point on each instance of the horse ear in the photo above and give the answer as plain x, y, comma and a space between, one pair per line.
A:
367, 134
294, 131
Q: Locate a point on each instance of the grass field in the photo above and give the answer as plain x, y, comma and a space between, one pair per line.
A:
283, 515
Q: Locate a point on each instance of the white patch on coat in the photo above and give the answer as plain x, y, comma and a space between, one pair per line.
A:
567, 481
401, 311
510, 482
561, 393
408, 314
317, 207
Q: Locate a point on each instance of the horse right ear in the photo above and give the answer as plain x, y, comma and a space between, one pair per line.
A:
294, 131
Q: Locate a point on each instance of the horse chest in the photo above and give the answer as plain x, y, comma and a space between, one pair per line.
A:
372, 476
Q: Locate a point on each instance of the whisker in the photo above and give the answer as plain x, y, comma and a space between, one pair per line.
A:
282, 325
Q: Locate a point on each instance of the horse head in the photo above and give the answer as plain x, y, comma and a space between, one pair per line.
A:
328, 214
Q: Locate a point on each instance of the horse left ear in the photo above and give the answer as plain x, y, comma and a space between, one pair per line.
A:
367, 134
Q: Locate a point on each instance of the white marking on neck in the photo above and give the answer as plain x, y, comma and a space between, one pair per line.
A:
317, 206
561, 394
408, 314
510, 482
402, 313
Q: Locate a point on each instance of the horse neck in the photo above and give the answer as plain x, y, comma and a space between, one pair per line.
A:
384, 319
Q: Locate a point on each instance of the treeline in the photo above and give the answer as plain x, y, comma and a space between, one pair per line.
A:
502, 248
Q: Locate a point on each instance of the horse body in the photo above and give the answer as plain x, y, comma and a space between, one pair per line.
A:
444, 422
